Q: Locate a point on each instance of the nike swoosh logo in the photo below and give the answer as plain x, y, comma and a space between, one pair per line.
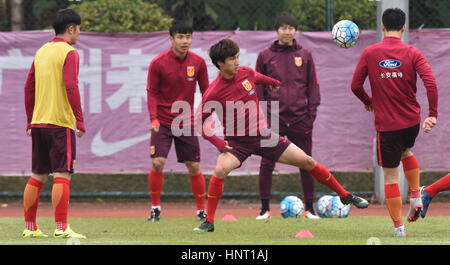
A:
102, 148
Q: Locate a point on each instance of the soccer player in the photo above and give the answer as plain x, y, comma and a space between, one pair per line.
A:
172, 77
392, 67
427, 193
287, 61
54, 115
232, 96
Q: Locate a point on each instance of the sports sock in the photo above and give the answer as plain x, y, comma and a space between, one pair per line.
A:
265, 205
411, 170
438, 186
394, 203
199, 190
215, 190
31, 201
60, 202
309, 207
155, 183
322, 175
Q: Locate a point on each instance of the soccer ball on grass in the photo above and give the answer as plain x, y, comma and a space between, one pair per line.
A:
291, 206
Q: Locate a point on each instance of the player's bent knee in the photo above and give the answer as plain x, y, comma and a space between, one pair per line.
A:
220, 171
158, 164
193, 167
309, 163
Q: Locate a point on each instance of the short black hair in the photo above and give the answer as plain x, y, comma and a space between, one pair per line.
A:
285, 19
65, 18
181, 27
221, 50
393, 19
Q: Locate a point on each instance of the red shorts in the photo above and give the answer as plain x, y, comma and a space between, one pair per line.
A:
186, 147
392, 144
245, 146
53, 150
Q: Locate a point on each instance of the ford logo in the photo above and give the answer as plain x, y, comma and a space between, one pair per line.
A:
390, 63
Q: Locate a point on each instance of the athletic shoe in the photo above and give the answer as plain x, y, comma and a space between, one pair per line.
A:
415, 207
309, 215
201, 215
400, 231
205, 227
426, 199
264, 215
355, 200
155, 215
33, 234
68, 233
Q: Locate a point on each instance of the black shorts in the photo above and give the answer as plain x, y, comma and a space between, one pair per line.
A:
53, 150
392, 144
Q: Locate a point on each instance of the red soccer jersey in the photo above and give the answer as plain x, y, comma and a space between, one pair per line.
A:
392, 66
240, 113
171, 79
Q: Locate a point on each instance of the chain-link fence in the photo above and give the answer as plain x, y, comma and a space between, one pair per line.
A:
313, 15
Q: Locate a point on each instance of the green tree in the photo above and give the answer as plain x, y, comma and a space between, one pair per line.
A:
311, 14
121, 16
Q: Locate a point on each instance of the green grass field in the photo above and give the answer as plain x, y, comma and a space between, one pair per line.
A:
354, 230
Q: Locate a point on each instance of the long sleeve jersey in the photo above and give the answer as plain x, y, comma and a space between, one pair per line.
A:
294, 67
392, 67
236, 104
172, 79
69, 73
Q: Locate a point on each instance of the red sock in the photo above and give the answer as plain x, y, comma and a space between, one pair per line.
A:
394, 203
155, 183
438, 186
215, 190
412, 175
31, 201
322, 175
199, 190
60, 201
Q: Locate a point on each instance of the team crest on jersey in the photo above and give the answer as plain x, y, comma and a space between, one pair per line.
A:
298, 61
152, 150
190, 71
247, 85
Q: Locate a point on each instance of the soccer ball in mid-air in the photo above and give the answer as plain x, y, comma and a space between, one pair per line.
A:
291, 206
345, 33
323, 205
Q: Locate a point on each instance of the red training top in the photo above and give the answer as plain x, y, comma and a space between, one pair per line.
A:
171, 79
392, 66
70, 73
238, 103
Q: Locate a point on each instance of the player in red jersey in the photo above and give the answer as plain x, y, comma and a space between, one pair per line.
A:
286, 60
172, 78
232, 96
53, 108
392, 67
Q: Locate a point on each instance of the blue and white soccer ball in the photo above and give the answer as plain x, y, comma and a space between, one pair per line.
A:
291, 206
345, 33
332, 207
323, 204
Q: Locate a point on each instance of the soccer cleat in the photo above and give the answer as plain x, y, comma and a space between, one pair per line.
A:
155, 215
264, 215
400, 231
33, 234
68, 233
415, 207
355, 200
205, 227
309, 215
426, 199
201, 215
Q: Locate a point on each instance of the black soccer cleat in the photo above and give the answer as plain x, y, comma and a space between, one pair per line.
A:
355, 200
205, 227
155, 215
